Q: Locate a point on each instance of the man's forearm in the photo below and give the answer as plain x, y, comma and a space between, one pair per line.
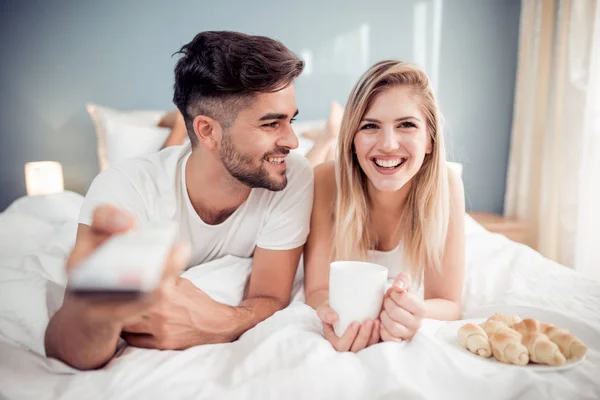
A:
83, 343
250, 312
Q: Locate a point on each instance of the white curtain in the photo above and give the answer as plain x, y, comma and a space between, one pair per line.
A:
553, 178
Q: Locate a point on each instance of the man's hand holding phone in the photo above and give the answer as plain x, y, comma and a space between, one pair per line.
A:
85, 331
103, 276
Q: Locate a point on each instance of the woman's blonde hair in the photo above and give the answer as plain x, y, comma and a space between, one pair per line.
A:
424, 221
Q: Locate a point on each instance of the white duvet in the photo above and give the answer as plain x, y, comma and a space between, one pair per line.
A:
286, 357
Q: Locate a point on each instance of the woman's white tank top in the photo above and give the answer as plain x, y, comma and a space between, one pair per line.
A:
393, 260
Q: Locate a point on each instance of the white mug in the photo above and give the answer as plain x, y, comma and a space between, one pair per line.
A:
356, 291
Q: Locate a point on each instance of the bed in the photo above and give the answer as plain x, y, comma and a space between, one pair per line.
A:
286, 356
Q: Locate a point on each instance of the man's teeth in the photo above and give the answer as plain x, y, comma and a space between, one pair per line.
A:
275, 160
389, 163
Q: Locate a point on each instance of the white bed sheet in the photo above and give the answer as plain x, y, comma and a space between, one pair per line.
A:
286, 355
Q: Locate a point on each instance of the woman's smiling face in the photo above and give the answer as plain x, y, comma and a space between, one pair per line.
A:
392, 139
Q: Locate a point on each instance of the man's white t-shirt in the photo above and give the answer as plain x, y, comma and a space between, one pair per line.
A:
152, 188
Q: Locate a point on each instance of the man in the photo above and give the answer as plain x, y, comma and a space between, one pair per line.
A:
236, 189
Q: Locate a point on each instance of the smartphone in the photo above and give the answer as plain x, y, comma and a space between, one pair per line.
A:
126, 266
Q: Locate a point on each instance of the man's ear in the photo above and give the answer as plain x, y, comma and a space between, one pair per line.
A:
208, 131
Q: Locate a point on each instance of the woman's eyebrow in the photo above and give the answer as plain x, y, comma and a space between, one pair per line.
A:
396, 120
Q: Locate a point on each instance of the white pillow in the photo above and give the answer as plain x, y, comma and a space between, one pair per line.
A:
457, 167
126, 134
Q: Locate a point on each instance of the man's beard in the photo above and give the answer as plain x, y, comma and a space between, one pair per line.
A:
241, 167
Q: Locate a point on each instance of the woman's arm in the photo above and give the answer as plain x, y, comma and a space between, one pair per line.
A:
443, 291
317, 256
318, 245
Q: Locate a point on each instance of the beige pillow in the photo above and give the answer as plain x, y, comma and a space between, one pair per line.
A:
125, 134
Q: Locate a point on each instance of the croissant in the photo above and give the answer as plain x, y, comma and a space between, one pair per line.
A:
509, 320
492, 327
569, 345
473, 338
507, 348
528, 325
542, 350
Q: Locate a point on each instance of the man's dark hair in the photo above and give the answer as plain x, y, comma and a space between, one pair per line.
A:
219, 72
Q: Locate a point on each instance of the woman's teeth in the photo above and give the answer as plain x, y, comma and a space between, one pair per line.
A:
389, 163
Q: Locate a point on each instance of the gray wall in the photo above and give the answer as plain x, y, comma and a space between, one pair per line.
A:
58, 55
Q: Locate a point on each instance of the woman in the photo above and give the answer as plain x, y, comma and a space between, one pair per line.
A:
389, 199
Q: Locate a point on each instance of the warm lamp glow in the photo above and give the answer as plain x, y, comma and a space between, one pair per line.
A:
43, 177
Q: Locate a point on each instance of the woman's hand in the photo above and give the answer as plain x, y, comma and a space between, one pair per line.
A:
402, 311
357, 336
